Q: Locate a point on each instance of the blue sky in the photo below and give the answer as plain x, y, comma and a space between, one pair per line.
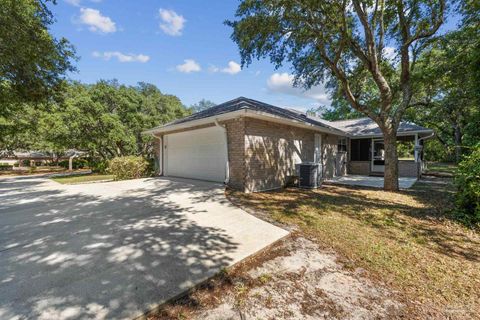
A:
181, 46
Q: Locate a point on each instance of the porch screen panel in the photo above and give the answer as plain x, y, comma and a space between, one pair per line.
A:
360, 149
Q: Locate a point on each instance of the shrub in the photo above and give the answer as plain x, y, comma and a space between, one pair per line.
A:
467, 180
130, 167
76, 163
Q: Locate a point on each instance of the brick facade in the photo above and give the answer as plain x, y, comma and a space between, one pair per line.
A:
359, 167
262, 154
271, 151
406, 168
236, 152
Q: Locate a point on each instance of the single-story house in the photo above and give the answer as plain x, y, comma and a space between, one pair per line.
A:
254, 146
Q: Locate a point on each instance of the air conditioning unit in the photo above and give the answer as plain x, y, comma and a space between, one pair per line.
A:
309, 174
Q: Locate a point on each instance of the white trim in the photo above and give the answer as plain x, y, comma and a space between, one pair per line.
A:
165, 158
160, 155
399, 134
227, 163
244, 113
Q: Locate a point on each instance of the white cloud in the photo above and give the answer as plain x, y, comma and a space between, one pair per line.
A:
96, 22
232, 68
172, 22
76, 3
389, 53
121, 57
283, 83
188, 66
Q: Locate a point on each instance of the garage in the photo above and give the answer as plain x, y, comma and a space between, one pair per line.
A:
196, 154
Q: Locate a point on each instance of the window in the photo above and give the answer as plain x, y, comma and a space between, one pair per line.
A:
360, 149
342, 145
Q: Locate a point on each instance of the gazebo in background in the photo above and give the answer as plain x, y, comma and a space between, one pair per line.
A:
23, 159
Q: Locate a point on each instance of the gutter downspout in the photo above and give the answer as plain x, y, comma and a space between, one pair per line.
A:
227, 164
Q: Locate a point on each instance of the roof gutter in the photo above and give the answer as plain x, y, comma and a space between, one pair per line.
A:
427, 137
245, 113
399, 134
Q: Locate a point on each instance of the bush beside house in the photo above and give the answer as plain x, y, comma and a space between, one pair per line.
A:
129, 167
467, 180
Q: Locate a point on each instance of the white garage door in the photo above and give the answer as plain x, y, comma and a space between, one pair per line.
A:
197, 154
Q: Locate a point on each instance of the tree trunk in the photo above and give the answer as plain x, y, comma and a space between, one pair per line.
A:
458, 144
391, 161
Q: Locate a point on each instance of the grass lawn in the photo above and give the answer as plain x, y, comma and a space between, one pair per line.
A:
73, 179
441, 167
405, 239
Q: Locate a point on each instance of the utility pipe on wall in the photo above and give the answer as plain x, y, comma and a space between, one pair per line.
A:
227, 164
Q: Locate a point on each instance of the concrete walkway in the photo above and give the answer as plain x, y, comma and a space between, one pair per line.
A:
368, 181
115, 250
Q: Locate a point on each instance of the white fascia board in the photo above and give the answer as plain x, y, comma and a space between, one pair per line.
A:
300, 124
244, 113
195, 123
399, 134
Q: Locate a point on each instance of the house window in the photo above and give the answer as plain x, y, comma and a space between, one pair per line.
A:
342, 145
360, 149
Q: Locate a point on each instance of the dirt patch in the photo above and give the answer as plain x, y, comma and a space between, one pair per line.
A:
296, 279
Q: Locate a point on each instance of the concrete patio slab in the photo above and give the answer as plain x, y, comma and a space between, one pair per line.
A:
368, 181
115, 250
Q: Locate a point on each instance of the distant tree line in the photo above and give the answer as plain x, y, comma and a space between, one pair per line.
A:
105, 119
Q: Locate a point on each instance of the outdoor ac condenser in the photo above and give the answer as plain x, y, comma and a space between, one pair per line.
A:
309, 174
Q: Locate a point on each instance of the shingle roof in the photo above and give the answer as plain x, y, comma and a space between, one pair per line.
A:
354, 127
368, 127
242, 103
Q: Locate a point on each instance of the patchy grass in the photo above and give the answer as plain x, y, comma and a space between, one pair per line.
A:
74, 179
441, 168
407, 239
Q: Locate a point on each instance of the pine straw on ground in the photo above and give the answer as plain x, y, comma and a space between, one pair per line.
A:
407, 239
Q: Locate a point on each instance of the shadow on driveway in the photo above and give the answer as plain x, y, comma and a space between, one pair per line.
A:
109, 250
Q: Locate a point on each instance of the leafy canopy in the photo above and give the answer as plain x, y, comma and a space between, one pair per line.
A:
32, 61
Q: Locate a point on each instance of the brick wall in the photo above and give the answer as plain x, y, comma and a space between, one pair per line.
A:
262, 154
236, 152
359, 167
271, 151
329, 154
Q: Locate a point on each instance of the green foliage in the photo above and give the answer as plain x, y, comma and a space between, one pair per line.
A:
76, 163
448, 76
105, 119
129, 167
98, 166
339, 109
32, 62
467, 179
202, 105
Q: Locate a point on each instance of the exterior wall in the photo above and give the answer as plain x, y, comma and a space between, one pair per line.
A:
271, 152
359, 167
236, 152
409, 168
406, 168
236, 149
329, 155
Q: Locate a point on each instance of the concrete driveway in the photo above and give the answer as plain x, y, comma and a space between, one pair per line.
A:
115, 250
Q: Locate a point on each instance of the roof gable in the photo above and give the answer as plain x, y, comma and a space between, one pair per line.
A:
353, 127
